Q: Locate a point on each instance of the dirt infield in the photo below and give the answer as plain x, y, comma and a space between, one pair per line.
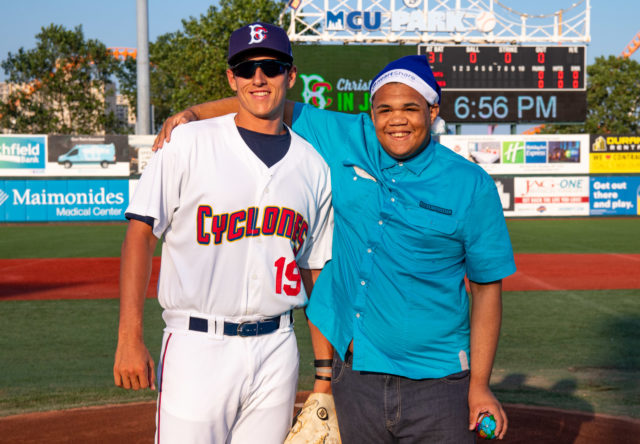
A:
574, 272
135, 423
72, 278
94, 278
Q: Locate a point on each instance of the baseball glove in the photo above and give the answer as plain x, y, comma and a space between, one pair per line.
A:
316, 423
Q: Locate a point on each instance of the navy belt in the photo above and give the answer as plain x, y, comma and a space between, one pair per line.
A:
243, 329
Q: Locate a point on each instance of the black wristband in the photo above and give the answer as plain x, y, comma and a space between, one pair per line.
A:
323, 362
323, 378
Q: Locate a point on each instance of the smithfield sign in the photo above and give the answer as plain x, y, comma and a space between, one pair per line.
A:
22, 152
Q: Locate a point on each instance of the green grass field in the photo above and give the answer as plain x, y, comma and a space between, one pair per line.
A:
572, 350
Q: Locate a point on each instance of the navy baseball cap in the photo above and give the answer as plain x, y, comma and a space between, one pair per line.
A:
259, 37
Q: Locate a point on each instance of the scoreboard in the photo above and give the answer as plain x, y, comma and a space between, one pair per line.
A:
509, 83
507, 67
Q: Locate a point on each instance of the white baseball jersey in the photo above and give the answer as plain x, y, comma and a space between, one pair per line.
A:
235, 231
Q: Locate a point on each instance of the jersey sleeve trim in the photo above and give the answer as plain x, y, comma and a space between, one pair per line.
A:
146, 219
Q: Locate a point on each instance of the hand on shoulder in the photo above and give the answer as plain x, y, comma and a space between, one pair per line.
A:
167, 127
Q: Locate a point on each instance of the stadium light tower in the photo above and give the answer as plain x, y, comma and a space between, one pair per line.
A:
143, 124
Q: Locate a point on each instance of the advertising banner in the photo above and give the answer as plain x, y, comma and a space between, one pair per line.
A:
522, 154
22, 155
88, 156
615, 196
141, 152
551, 196
337, 77
506, 191
614, 153
63, 200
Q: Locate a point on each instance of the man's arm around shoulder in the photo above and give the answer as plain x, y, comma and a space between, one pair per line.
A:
134, 367
208, 110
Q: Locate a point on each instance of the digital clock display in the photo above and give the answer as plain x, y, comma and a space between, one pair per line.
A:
507, 67
513, 106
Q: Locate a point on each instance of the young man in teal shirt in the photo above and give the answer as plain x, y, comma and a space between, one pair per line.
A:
412, 218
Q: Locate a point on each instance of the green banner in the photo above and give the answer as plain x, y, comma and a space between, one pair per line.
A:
337, 77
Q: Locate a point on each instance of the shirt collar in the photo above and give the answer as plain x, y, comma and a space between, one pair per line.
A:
416, 164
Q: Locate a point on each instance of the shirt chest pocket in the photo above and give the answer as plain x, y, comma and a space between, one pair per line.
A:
431, 231
434, 243
432, 220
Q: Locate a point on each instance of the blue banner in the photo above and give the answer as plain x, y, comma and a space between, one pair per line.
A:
614, 195
63, 200
22, 152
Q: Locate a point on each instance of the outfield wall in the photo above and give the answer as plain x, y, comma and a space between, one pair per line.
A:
91, 178
558, 174
51, 178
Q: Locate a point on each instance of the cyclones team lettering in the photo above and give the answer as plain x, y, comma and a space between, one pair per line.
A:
283, 222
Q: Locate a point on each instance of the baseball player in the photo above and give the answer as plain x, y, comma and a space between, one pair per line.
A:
243, 205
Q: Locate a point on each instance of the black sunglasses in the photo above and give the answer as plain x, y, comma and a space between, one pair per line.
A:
270, 68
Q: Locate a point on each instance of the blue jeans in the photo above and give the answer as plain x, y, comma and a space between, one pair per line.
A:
377, 408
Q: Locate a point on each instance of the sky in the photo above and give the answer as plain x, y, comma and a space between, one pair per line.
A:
614, 23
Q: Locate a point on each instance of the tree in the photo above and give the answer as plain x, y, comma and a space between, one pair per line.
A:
127, 81
613, 99
188, 66
63, 83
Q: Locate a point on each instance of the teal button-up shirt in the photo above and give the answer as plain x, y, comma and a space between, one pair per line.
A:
405, 235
